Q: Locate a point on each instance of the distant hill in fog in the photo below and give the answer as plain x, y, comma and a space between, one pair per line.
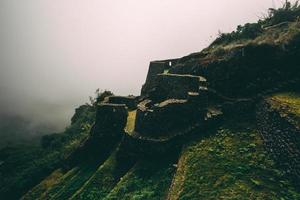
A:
18, 130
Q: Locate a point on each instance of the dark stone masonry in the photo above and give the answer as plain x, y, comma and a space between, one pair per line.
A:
155, 68
110, 119
129, 101
108, 130
174, 86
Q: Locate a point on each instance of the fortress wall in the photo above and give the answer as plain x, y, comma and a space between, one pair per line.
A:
167, 118
129, 101
110, 119
281, 139
141, 148
105, 134
155, 68
173, 86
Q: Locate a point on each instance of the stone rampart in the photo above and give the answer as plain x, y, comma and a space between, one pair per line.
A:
168, 117
129, 101
155, 68
105, 134
110, 119
174, 86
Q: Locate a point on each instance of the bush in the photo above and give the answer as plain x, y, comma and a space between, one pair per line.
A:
100, 96
55, 140
288, 13
248, 31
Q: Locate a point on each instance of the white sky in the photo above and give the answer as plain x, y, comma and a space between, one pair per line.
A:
55, 53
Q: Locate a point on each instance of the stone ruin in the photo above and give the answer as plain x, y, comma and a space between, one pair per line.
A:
169, 117
169, 103
174, 86
108, 130
129, 101
155, 68
110, 119
170, 108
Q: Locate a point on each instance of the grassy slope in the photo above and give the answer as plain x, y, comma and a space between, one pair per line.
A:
103, 180
147, 180
67, 185
47, 183
288, 105
230, 164
26, 166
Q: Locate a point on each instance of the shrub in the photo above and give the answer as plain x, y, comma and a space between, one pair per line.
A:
287, 13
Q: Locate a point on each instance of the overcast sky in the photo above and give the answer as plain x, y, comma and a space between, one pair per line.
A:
55, 53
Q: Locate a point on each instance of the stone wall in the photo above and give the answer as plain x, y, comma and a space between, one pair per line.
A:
281, 139
129, 101
168, 117
239, 108
110, 119
173, 86
156, 67
105, 134
142, 146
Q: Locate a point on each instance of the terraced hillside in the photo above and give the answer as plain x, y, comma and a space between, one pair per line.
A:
222, 123
230, 164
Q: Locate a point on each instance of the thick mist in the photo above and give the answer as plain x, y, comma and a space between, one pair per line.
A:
56, 53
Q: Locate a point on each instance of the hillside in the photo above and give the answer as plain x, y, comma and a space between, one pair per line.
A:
222, 123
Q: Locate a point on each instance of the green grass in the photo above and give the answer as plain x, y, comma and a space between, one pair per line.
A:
26, 166
70, 187
103, 181
289, 12
130, 121
54, 189
147, 180
70, 182
230, 164
47, 183
288, 103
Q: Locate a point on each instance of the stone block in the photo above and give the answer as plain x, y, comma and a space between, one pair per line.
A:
110, 119
129, 101
156, 67
174, 86
166, 118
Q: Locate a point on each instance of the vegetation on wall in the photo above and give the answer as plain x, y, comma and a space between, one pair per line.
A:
289, 12
230, 164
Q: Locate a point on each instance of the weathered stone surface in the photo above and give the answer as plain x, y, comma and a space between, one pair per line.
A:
104, 136
167, 117
129, 101
198, 99
141, 146
174, 86
155, 68
239, 107
110, 119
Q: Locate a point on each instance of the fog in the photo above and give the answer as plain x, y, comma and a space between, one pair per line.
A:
55, 53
